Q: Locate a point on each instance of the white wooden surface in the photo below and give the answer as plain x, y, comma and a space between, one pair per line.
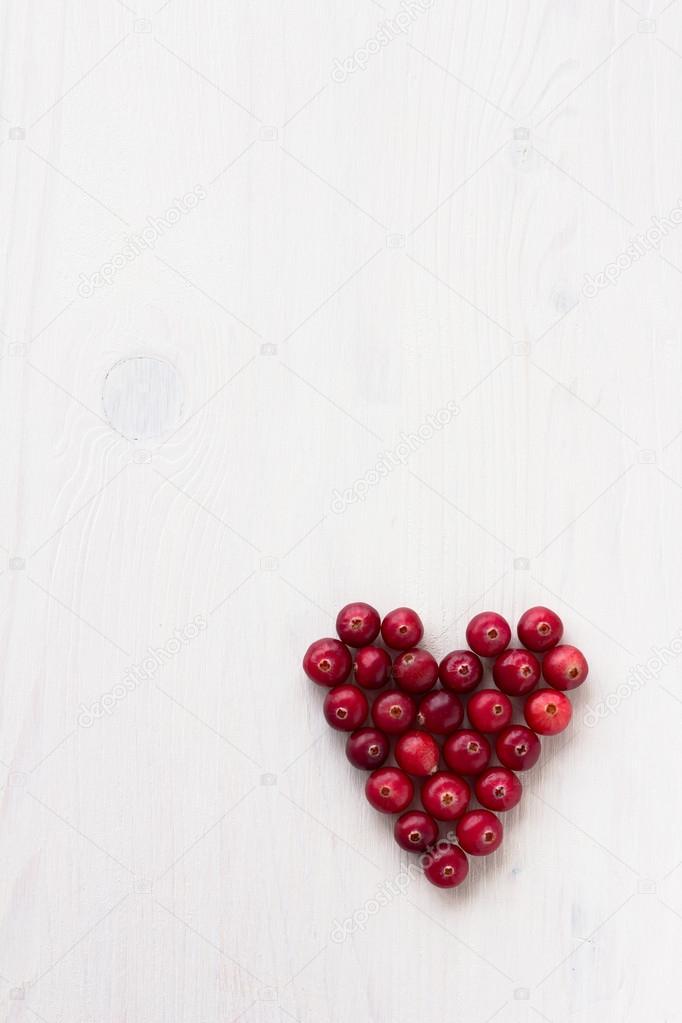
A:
366, 245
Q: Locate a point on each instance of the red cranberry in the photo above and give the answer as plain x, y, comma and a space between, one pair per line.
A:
402, 629
498, 789
327, 662
479, 832
517, 748
440, 713
489, 710
461, 671
389, 790
372, 668
516, 672
358, 624
564, 668
367, 748
415, 671
415, 831
466, 751
446, 866
540, 629
488, 634
445, 796
394, 712
548, 711
417, 753
346, 708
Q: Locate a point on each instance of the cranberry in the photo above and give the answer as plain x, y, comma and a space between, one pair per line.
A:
516, 672
415, 671
345, 707
540, 629
479, 832
417, 753
466, 751
461, 671
440, 713
564, 668
389, 790
489, 710
498, 789
367, 748
415, 831
445, 796
446, 866
372, 668
327, 662
394, 712
517, 748
402, 629
548, 711
488, 634
358, 624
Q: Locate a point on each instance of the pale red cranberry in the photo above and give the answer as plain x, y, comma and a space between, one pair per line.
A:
389, 790
489, 710
415, 671
564, 668
415, 831
539, 629
466, 751
372, 667
488, 634
345, 707
460, 671
548, 711
358, 624
518, 748
402, 629
440, 713
479, 832
367, 748
498, 789
445, 796
394, 712
516, 672
327, 662
417, 753
446, 866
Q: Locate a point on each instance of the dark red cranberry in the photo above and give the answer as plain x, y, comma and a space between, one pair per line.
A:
367, 748
488, 634
415, 671
540, 629
440, 713
498, 789
445, 796
415, 831
389, 790
517, 748
564, 668
372, 668
466, 751
489, 710
345, 707
402, 629
327, 662
394, 712
479, 832
548, 711
446, 866
460, 671
417, 753
358, 624
516, 672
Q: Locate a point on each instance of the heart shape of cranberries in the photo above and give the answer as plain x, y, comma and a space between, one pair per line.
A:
405, 714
